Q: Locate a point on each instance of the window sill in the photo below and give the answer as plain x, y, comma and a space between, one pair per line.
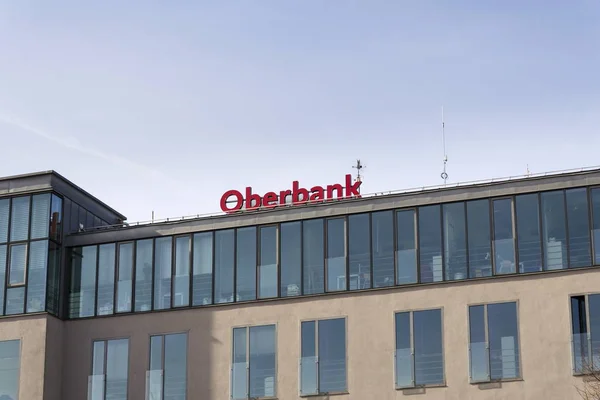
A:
433, 385
494, 384
325, 394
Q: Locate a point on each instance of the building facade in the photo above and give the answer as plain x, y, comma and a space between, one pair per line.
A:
488, 290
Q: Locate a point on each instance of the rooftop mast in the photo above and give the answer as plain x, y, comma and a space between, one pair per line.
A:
358, 167
444, 174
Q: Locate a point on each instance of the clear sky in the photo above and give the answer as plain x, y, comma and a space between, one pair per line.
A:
164, 105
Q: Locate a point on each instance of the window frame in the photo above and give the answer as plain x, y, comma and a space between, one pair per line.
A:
105, 359
326, 220
118, 272
190, 238
585, 295
513, 213
162, 360
19, 370
259, 229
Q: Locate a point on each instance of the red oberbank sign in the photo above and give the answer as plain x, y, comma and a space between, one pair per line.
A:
299, 195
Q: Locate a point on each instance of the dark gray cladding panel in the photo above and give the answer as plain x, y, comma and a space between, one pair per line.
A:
342, 207
25, 184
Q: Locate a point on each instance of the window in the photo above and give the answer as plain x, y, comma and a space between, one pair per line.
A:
203, 265
504, 238
19, 223
291, 259
166, 378
455, 241
430, 244
579, 228
143, 274
40, 216
419, 356
56, 224
359, 251
585, 322
224, 262
323, 357
36, 281
596, 224
313, 255
246, 264
10, 365
406, 247
110, 364
124, 277
493, 342
253, 370
528, 233
4, 218
16, 272
82, 302
162, 273
106, 279
554, 230
336, 254
54, 278
479, 239
3, 255
267, 270
382, 245
181, 280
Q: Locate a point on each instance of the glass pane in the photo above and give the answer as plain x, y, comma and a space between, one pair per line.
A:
429, 354
10, 361
98, 358
480, 247
406, 253
479, 357
581, 350
336, 255
596, 224
262, 361
332, 355
66, 219
555, 230
36, 285
56, 223
175, 366
15, 300
455, 241
16, 273
54, 278
106, 279
4, 217
117, 365
3, 254
19, 224
143, 275
224, 260
528, 233
403, 356
40, 216
246, 264
430, 244
203, 260
359, 251
594, 310
504, 244
181, 286
162, 273
313, 256
291, 259
503, 340
382, 244
308, 360
268, 262
83, 282
579, 228
239, 376
95, 387
154, 384
156, 346
74, 217
125, 278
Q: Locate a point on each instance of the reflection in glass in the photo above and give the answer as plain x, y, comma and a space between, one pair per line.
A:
19, 223
596, 224
554, 230
430, 244
406, 253
40, 216
579, 228
429, 355
359, 251
181, 281
308, 360
267, 273
504, 243
332, 355
382, 243
10, 362
336, 255
15, 300
224, 261
528, 233
16, 272
239, 383
56, 224
403, 355
125, 277
478, 350
162, 273
312, 256
262, 360
175, 366
581, 348
54, 278
455, 241
36, 281
203, 260
2, 275
106, 279
143, 275
4, 218
480, 243
594, 337
246, 264
82, 302
291, 258
503, 341
117, 364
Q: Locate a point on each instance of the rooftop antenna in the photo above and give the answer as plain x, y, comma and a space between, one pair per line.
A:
528, 171
358, 167
444, 174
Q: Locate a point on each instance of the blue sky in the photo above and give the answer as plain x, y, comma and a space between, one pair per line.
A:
165, 105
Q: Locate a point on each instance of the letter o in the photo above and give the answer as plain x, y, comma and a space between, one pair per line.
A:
226, 196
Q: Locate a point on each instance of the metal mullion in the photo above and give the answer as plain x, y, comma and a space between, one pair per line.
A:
442, 247
413, 364
513, 215
417, 243
191, 273
395, 245
152, 277
133, 275
104, 371
301, 258
26, 291
6, 275
117, 272
541, 230
590, 200
212, 261
493, 236
162, 363
96, 283
278, 260
565, 214
588, 330
235, 256
317, 357
371, 263
487, 341
325, 254
346, 252
172, 280
466, 222
258, 261
248, 362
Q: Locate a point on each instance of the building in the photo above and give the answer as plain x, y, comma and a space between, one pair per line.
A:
487, 290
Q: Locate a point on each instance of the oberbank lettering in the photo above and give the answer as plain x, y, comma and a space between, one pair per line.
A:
299, 195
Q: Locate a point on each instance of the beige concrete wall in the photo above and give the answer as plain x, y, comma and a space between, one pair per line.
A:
544, 329
31, 330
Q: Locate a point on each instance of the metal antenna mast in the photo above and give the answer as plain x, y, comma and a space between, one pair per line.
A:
444, 174
358, 167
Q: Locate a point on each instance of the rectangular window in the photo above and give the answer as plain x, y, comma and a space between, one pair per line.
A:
336, 254
40, 216
253, 369
203, 266
323, 357
313, 256
267, 270
291, 258
419, 356
3, 256
504, 237
596, 224
246, 264
382, 245
54, 278
554, 230
494, 342
181, 279
4, 218
143, 274
10, 365
37, 272
15, 300
18, 258
359, 251
430, 244
585, 322
479, 239
578, 221
82, 302
162, 273
110, 365
529, 238
455, 241
19, 223
166, 377
56, 224
224, 265
406, 247
106, 279
125, 277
